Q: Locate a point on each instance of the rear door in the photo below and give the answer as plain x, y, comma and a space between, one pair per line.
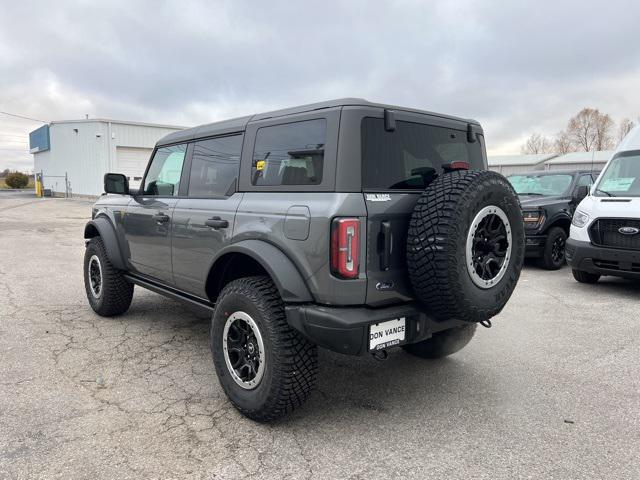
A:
396, 167
147, 223
203, 222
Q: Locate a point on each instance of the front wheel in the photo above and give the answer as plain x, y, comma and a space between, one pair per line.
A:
443, 343
553, 255
108, 292
265, 367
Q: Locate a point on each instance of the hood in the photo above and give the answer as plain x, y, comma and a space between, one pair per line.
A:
606, 207
535, 201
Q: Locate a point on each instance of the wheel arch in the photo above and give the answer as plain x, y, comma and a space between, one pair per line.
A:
102, 227
255, 257
563, 222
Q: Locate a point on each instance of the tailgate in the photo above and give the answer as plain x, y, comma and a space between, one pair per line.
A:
388, 217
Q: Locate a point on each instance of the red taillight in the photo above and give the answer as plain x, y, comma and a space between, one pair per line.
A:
345, 252
456, 165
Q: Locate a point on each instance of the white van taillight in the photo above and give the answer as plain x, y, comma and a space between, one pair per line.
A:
345, 252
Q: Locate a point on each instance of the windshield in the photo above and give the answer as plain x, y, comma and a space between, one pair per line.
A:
540, 184
621, 177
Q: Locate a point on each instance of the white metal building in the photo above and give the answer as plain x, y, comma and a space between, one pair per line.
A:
85, 150
580, 161
511, 164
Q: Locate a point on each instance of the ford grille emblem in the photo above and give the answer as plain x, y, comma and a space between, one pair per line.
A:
629, 230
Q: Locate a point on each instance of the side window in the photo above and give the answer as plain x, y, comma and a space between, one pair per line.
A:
290, 154
163, 177
214, 166
585, 180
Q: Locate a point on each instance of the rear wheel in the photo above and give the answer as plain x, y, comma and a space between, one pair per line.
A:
585, 277
265, 367
553, 255
108, 292
443, 343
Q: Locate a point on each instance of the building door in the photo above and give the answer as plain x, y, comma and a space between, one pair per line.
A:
131, 162
149, 215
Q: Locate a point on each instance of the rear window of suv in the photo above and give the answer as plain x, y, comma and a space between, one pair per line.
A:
407, 158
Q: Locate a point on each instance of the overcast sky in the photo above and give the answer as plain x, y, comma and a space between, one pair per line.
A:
515, 68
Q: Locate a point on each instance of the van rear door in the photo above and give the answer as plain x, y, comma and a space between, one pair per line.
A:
396, 167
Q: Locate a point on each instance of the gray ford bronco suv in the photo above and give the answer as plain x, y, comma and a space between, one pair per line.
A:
346, 225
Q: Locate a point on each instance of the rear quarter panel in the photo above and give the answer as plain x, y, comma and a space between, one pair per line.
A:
262, 215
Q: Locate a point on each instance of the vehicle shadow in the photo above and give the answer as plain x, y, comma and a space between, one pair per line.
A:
355, 388
617, 285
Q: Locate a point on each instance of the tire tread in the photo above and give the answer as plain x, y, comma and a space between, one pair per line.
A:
296, 366
117, 292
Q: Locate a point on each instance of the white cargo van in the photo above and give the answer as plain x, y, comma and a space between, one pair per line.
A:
605, 231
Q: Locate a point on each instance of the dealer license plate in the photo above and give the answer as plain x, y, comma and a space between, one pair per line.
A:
387, 334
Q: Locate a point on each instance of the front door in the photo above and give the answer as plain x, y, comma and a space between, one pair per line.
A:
203, 222
149, 216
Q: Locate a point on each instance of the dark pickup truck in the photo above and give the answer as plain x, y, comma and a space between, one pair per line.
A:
548, 200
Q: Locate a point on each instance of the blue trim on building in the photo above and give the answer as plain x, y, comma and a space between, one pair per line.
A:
39, 139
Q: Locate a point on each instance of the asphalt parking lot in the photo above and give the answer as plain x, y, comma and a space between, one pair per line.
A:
551, 391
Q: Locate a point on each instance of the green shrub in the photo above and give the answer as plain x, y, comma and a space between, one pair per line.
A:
16, 180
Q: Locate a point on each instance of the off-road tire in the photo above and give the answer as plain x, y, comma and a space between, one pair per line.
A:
437, 245
117, 293
547, 261
443, 343
290, 360
585, 277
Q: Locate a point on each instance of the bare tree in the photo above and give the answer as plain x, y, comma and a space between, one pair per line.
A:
625, 127
537, 143
590, 130
563, 144
604, 132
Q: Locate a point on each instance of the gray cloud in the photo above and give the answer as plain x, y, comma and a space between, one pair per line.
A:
515, 66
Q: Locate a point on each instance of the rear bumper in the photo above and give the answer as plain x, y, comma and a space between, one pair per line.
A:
604, 261
534, 245
346, 329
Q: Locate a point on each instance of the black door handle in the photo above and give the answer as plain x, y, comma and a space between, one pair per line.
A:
216, 223
161, 218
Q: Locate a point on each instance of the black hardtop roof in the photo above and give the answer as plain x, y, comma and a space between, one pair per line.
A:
239, 124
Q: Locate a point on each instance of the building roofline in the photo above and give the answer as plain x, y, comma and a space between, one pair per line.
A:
580, 171
519, 160
120, 122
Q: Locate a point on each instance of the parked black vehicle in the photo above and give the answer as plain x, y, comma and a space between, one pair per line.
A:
347, 225
549, 199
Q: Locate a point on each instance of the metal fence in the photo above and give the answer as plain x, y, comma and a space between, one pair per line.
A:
52, 191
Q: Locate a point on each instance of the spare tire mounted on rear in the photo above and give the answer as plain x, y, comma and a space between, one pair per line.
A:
465, 245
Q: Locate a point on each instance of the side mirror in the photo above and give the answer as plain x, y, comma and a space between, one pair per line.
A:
581, 192
116, 183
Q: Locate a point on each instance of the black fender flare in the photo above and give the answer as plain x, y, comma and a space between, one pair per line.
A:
102, 226
282, 270
561, 216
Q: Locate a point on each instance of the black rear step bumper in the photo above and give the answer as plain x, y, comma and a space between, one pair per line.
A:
603, 261
346, 329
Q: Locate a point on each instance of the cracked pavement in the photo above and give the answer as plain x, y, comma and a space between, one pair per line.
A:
551, 391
